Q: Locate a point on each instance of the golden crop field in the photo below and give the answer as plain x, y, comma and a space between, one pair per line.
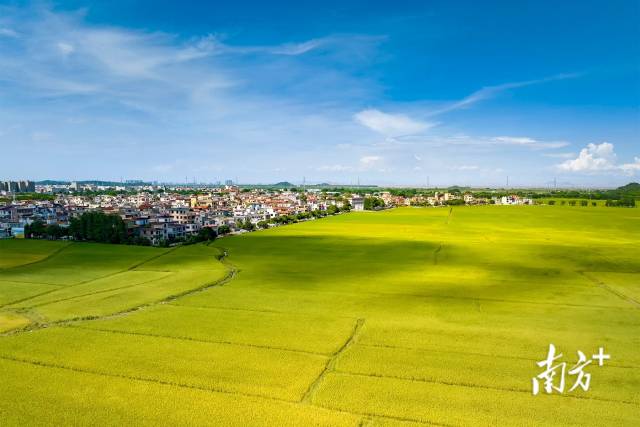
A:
406, 317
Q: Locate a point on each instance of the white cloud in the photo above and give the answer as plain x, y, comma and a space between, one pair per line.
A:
390, 124
8, 32
559, 155
599, 158
595, 157
631, 168
526, 141
518, 140
467, 168
296, 48
65, 48
370, 160
334, 168
40, 136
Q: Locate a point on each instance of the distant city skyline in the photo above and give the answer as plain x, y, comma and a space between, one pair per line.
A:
404, 93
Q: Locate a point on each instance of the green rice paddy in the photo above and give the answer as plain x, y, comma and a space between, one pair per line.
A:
406, 317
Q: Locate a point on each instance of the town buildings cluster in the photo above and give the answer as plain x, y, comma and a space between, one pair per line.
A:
169, 214
160, 214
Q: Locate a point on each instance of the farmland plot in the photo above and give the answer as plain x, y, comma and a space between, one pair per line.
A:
398, 318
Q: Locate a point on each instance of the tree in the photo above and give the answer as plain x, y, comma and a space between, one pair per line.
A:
332, 210
98, 227
552, 202
206, 234
371, 203
54, 231
584, 203
224, 229
246, 225
263, 224
35, 230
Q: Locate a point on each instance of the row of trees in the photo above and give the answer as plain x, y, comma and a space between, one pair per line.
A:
625, 202
99, 227
290, 219
573, 202
39, 230
90, 226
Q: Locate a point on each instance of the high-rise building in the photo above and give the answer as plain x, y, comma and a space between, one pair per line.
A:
18, 186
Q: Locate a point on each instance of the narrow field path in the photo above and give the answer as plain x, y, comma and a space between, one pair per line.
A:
331, 363
609, 289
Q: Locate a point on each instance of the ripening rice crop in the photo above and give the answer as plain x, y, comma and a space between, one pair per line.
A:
404, 317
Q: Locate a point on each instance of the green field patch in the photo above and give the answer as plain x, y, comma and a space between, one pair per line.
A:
495, 335
123, 299
457, 405
118, 281
493, 371
14, 252
65, 397
10, 320
81, 262
320, 334
192, 257
11, 292
219, 367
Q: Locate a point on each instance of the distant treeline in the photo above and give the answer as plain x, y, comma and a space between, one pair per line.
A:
292, 219
29, 196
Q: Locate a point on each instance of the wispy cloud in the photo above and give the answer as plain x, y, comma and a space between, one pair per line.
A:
334, 168
8, 32
492, 91
478, 141
559, 155
370, 160
94, 86
526, 141
390, 124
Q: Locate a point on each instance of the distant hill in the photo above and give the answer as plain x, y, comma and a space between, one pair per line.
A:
52, 182
631, 188
283, 184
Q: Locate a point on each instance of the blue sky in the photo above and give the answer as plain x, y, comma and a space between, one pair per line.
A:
392, 93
